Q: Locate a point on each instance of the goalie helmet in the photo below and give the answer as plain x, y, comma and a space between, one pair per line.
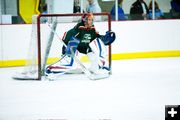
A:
86, 17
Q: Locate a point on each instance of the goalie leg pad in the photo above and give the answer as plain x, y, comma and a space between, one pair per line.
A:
94, 61
98, 48
100, 52
61, 66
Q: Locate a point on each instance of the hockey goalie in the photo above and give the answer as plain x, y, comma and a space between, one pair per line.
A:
86, 40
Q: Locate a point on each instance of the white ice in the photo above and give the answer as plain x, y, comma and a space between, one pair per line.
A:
138, 89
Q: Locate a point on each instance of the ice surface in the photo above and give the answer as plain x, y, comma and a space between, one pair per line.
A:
137, 90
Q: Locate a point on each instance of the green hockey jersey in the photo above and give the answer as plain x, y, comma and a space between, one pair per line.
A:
84, 34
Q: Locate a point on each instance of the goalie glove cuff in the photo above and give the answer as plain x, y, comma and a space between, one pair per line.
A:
72, 46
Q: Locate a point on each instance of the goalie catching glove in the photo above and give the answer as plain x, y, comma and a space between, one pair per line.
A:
108, 38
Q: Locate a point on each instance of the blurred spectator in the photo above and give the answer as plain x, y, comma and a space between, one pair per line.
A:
175, 8
76, 8
93, 7
158, 13
139, 10
121, 15
44, 9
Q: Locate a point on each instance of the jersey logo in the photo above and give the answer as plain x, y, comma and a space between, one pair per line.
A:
86, 38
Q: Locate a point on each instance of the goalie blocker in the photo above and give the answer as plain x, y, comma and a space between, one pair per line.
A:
84, 38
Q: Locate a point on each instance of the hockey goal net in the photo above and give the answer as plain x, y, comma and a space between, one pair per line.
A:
45, 46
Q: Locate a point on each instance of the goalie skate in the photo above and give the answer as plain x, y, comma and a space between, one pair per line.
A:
99, 74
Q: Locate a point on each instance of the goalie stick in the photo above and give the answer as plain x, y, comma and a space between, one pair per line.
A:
48, 47
91, 75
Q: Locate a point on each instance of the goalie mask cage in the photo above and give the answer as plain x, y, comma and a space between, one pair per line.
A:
47, 30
